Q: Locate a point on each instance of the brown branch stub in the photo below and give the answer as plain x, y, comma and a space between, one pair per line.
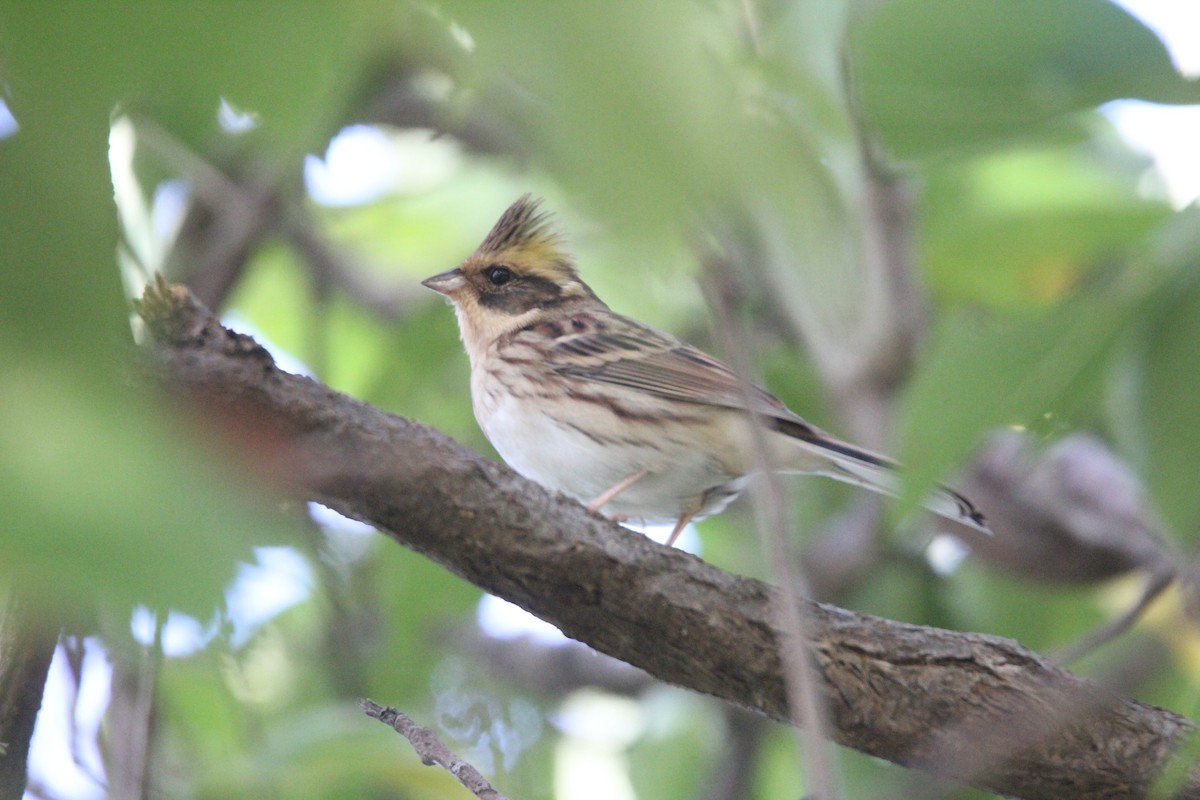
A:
174, 317
976, 708
430, 749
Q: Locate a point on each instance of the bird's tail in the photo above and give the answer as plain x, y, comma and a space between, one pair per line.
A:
851, 464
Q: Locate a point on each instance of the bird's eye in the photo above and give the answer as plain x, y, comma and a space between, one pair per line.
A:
498, 276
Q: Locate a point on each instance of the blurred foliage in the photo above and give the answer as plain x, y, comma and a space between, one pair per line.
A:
938, 79
1064, 295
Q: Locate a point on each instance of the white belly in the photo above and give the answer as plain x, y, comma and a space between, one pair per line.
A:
560, 455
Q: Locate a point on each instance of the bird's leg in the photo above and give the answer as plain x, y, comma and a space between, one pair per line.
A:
611, 493
684, 519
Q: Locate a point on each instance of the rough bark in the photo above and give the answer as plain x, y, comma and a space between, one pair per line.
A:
976, 708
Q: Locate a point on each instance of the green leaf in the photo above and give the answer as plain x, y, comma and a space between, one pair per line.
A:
978, 376
281, 62
1022, 227
1170, 400
939, 75
600, 91
103, 496
113, 501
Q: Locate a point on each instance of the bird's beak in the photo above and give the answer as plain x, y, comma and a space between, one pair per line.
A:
448, 283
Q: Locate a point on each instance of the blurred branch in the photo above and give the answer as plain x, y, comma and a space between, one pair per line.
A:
408, 94
1156, 584
226, 221
232, 211
867, 356
551, 670
333, 266
26, 648
969, 706
431, 749
129, 752
732, 776
771, 512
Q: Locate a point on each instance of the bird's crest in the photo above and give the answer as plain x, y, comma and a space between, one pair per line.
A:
525, 234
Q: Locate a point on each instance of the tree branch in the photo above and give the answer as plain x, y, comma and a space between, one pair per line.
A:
431, 749
973, 707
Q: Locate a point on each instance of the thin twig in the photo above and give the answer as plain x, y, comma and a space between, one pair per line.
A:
430, 749
771, 509
1156, 585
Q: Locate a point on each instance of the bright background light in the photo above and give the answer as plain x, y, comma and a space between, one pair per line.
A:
1168, 134
1177, 23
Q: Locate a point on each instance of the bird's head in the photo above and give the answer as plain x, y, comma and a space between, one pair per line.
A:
520, 271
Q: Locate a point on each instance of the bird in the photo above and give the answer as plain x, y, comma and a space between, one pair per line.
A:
619, 415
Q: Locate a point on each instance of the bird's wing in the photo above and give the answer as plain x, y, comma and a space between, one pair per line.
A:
647, 360
650, 361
